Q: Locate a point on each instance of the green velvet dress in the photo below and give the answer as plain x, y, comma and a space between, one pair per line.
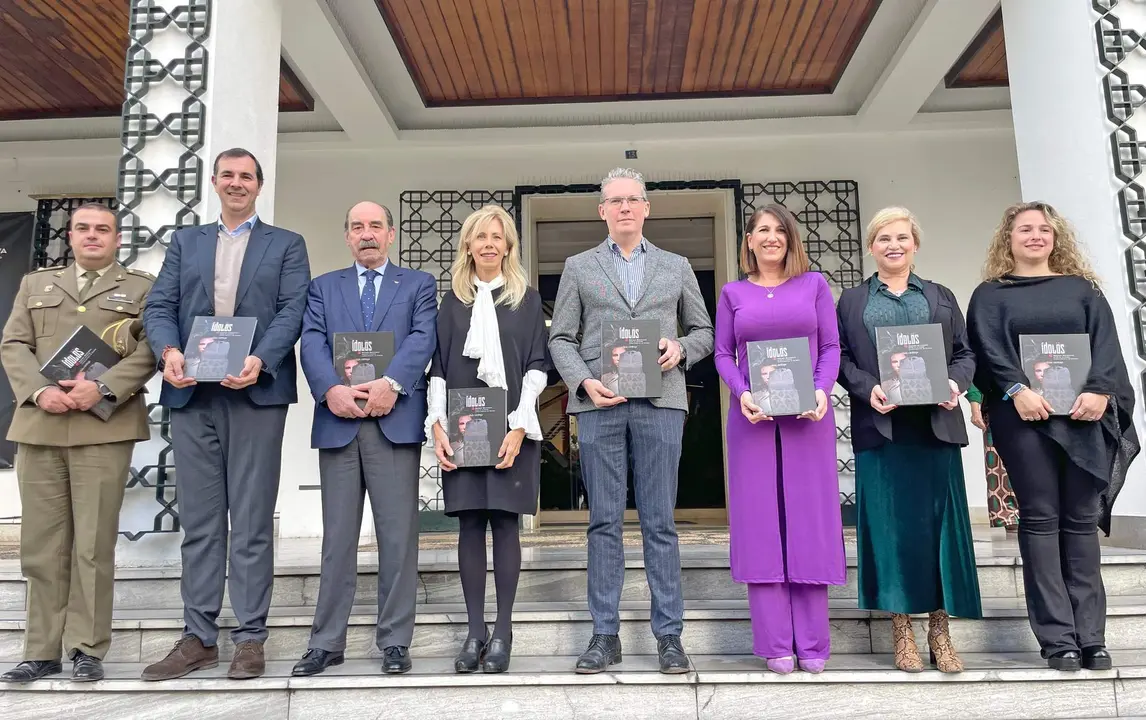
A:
913, 530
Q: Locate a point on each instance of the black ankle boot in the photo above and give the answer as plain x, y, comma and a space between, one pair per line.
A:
497, 655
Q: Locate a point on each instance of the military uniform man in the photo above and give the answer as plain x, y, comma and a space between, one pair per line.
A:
72, 466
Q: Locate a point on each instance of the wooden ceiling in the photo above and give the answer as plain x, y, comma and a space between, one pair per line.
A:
984, 62
66, 58
481, 52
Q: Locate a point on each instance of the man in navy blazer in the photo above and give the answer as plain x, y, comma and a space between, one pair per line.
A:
373, 448
227, 437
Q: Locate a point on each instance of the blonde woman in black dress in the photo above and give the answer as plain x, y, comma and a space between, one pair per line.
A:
491, 332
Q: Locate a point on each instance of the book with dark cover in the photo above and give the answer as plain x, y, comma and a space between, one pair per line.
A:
1056, 367
780, 375
362, 357
83, 352
629, 356
913, 364
217, 347
478, 420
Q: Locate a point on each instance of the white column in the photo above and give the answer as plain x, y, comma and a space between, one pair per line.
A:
1063, 138
202, 76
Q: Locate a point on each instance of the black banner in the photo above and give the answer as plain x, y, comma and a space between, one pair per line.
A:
15, 261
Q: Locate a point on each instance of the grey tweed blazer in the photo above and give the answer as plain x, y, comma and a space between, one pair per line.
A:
591, 293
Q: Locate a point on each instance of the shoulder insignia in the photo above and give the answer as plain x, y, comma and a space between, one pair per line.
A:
43, 269
141, 273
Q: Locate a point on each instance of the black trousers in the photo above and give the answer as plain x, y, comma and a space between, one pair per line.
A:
1058, 536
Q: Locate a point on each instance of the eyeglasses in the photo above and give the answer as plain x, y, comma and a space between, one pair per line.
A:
616, 202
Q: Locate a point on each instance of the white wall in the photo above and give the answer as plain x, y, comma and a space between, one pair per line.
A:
957, 185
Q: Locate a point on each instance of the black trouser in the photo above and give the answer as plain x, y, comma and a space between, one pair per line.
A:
1058, 536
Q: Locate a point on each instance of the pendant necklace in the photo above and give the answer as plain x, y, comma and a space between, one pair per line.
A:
770, 289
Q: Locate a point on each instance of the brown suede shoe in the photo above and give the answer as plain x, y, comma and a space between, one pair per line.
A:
188, 655
248, 661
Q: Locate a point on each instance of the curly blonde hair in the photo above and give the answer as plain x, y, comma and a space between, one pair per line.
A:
1066, 258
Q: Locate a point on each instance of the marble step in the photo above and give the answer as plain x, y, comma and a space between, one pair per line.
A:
720, 687
557, 576
555, 629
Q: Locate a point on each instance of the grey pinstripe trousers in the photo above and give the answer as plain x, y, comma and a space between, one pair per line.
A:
648, 438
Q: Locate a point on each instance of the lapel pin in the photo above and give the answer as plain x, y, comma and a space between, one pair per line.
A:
48, 288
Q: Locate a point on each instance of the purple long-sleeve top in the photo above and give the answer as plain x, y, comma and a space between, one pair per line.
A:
801, 307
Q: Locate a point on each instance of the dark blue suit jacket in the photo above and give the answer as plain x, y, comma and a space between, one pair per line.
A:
408, 307
272, 288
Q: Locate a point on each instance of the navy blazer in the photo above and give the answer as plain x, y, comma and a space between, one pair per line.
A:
272, 289
407, 306
859, 365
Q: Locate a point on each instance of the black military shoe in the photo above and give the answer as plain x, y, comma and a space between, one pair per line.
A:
315, 661
603, 651
396, 660
1096, 658
673, 661
1067, 660
86, 668
31, 670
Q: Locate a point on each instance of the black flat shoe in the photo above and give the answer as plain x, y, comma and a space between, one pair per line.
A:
396, 660
603, 651
497, 656
473, 649
86, 668
1096, 658
1067, 661
315, 661
31, 670
670, 653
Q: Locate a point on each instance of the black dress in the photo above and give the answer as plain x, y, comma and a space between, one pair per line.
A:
524, 345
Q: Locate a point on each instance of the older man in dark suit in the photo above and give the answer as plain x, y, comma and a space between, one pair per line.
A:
228, 437
614, 430
373, 448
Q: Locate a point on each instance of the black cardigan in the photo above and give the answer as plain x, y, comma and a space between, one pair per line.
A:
859, 365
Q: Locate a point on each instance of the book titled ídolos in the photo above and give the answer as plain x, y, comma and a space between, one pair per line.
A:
477, 425
1056, 367
780, 375
913, 364
362, 357
629, 356
218, 346
83, 352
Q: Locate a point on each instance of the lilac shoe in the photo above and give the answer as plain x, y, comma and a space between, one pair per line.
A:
781, 666
813, 665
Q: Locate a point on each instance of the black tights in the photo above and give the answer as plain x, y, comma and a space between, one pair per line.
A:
472, 567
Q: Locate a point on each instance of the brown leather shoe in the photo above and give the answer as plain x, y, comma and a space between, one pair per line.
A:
248, 661
188, 655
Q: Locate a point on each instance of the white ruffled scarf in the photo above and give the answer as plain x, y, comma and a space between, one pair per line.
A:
483, 341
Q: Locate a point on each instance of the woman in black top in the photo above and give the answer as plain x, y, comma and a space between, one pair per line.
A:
1066, 464
491, 333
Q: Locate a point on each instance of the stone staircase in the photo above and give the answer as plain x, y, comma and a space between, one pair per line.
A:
1005, 676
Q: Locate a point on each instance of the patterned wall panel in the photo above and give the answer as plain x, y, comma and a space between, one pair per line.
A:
829, 216
1120, 52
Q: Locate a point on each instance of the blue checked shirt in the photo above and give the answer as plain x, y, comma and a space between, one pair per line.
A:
631, 270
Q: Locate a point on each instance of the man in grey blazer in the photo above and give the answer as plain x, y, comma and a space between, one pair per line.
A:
628, 277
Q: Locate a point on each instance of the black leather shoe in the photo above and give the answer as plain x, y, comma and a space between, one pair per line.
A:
86, 668
671, 655
1067, 660
472, 652
396, 660
1096, 658
315, 661
497, 656
30, 670
603, 651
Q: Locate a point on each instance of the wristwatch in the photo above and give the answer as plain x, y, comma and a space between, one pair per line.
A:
393, 383
1014, 390
105, 391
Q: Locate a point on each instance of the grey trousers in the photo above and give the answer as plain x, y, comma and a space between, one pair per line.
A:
649, 438
389, 473
228, 453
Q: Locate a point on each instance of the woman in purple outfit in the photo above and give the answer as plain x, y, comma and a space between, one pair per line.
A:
784, 507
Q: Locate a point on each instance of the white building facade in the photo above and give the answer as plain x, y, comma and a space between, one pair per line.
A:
892, 131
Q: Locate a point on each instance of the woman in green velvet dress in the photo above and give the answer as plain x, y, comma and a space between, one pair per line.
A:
913, 530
